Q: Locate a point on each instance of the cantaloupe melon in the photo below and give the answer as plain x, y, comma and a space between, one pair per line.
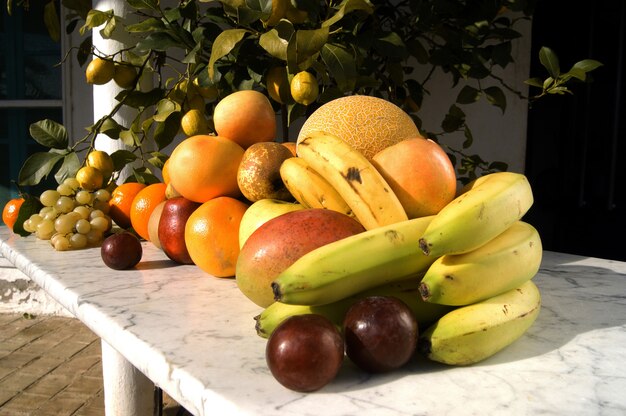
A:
369, 124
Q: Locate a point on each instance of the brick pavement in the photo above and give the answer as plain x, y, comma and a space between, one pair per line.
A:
50, 366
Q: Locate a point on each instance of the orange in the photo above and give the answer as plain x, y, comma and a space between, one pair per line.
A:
212, 235
165, 172
205, 167
245, 117
121, 202
143, 204
420, 173
368, 124
11, 211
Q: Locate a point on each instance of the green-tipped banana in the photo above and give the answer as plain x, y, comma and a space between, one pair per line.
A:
309, 188
502, 264
351, 265
472, 333
354, 177
485, 208
407, 291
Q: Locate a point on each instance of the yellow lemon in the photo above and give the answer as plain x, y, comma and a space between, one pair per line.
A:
102, 161
89, 178
125, 75
277, 84
194, 123
99, 71
304, 88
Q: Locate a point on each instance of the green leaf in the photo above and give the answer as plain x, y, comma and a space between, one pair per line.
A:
574, 73
69, 167
469, 138
51, 20
164, 108
276, 41
454, 120
138, 99
111, 128
550, 61
121, 158
165, 132
341, 65
95, 18
587, 65
107, 30
468, 95
144, 4
37, 167
535, 82
158, 159
129, 138
496, 97
307, 44
500, 166
81, 7
49, 133
30, 206
149, 24
157, 41
391, 45
223, 44
346, 7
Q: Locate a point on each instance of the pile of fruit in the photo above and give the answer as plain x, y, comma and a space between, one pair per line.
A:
353, 241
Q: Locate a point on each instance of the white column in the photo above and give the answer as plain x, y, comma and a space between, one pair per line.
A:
104, 95
127, 391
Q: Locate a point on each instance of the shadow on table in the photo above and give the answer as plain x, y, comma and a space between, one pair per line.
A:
576, 300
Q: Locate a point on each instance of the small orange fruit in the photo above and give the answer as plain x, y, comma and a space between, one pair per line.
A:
11, 211
165, 172
212, 235
121, 201
204, 167
245, 117
143, 204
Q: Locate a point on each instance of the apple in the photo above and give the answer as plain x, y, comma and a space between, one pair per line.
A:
171, 230
262, 211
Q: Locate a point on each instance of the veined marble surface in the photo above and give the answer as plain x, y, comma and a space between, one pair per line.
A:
193, 335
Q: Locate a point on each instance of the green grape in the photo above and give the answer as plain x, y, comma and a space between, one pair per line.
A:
83, 211
78, 241
100, 223
102, 206
82, 226
28, 227
35, 219
43, 211
45, 229
94, 237
49, 197
65, 190
52, 214
64, 224
72, 183
83, 197
62, 243
64, 204
96, 213
102, 195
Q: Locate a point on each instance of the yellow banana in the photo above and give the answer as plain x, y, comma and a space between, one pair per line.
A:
348, 266
485, 208
309, 188
354, 177
502, 264
407, 291
472, 333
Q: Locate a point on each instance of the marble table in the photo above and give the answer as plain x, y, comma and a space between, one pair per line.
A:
193, 335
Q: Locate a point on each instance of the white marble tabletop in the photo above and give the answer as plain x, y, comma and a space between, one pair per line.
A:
193, 335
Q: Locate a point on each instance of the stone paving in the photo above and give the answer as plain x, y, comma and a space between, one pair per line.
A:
50, 366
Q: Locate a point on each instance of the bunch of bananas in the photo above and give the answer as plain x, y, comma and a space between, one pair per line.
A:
465, 272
